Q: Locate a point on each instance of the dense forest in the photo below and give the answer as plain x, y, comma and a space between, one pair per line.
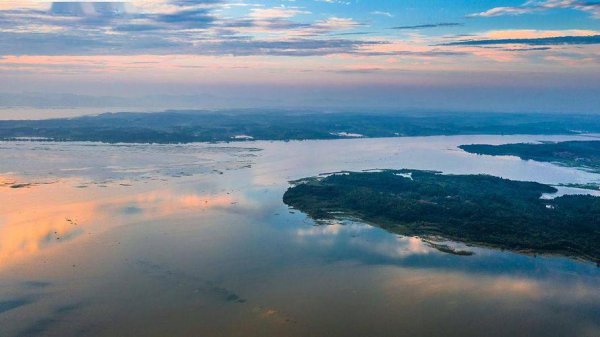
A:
476, 209
584, 154
208, 126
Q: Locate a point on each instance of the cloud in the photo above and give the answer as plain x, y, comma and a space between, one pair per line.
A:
528, 46
88, 8
195, 2
334, 24
534, 33
182, 27
58, 44
543, 41
222, 28
296, 47
433, 25
498, 11
417, 54
189, 18
275, 13
527, 49
341, 2
532, 6
14, 4
380, 13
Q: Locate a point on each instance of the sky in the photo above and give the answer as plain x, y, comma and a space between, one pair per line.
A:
515, 55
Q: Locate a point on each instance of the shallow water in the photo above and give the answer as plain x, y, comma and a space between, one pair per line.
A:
194, 240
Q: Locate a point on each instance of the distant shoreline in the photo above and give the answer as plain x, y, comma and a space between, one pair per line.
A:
181, 127
581, 154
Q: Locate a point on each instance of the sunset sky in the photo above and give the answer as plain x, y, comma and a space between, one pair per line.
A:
514, 55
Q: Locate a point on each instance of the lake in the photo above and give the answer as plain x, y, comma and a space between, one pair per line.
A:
194, 240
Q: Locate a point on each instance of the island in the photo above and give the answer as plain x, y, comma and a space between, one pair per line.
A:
582, 154
475, 209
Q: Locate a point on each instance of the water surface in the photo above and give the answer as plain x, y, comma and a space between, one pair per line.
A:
194, 240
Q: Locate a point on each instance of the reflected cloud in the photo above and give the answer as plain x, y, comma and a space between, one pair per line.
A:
34, 220
437, 284
427, 284
353, 233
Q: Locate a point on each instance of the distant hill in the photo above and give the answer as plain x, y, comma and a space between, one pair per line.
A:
259, 124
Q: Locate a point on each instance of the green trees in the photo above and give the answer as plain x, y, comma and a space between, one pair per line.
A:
572, 153
477, 209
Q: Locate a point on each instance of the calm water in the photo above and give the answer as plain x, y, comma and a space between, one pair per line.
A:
194, 240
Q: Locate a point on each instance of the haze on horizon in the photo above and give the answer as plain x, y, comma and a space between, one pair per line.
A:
515, 55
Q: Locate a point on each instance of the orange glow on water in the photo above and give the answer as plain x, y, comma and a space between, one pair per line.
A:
41, 217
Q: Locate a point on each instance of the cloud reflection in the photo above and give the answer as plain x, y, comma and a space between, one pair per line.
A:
34, 220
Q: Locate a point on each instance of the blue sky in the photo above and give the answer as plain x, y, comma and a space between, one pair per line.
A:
337, 47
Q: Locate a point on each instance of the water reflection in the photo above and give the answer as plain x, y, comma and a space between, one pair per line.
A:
195, 240
36, 219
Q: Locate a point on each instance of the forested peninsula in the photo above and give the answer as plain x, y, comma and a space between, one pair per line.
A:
475, 209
